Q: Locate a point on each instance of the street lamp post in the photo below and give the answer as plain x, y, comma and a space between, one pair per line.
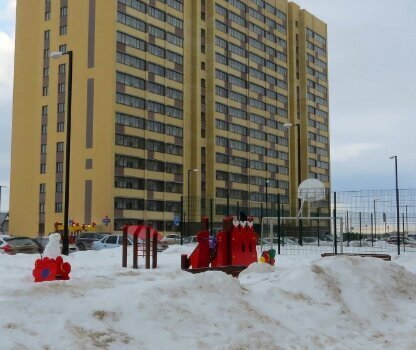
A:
189, 201
397, 205
267, 197
65, 239
289, 125
0, 196
297, 125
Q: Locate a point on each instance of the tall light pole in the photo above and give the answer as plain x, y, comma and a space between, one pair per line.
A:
267, 196
189, 200
297, 125
65, 239
0, 196
397, 205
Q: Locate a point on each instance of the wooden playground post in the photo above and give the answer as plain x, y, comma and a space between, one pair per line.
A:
147, 247
135, 251
124, 258
154, 247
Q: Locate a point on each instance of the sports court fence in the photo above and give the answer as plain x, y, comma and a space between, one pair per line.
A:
366, 221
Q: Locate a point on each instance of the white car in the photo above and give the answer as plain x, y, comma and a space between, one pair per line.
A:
172, 238
114, 241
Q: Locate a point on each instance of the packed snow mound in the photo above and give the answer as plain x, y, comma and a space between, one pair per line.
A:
179, 249
258, 268
305, 302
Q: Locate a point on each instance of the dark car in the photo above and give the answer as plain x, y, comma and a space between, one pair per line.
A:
41, 242
17, 245
85, 239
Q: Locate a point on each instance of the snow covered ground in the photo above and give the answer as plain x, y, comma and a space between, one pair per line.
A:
306, 302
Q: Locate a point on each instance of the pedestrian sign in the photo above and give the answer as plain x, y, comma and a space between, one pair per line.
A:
176, 220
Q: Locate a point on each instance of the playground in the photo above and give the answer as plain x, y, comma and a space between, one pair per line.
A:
303, 302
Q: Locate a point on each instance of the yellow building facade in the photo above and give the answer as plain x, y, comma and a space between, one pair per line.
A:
179, 108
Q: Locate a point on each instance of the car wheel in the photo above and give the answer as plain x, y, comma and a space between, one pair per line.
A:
81, 246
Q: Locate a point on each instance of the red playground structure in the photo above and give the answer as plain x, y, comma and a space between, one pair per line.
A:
231, 251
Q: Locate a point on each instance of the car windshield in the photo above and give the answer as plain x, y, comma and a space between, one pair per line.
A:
18, 242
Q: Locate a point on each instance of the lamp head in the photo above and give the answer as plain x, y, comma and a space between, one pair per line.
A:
392, 157
287, 125
56, 54
195, 170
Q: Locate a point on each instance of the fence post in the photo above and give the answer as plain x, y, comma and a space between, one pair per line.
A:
181, 223
278, 224
211, 209
404, 246
228, 202
318, 214
335, 223
359, 220
348, 231
372, 230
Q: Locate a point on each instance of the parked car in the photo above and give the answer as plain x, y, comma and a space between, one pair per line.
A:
3, 243
114, 241
283, 241
15, 245
172, 238
42, 242
309, 240
406, 240
190, 240
85, 239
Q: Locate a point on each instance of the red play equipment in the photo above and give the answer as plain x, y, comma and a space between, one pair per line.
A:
47, 269
231, 251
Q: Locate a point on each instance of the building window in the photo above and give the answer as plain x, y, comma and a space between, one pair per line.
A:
43, 168
43, 148
47, 16
61, 88
62, 48
58, 207
63, 30
61, 107
44, 129
46, 72
45, 91
59, 147
44, 110
41, 207
59, 167
60, 127
64, 11
42, 188
46, 53
58, 187
47, 34
62, 68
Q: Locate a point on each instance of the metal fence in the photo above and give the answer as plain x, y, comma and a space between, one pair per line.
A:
369, 220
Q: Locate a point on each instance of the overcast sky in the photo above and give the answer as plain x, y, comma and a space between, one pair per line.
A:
372, 54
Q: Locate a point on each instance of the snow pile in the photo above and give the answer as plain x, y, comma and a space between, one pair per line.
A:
304, 302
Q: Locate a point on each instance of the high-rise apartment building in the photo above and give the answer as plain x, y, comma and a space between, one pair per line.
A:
170, 99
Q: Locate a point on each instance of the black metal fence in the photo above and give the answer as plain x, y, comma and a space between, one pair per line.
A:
369, 220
